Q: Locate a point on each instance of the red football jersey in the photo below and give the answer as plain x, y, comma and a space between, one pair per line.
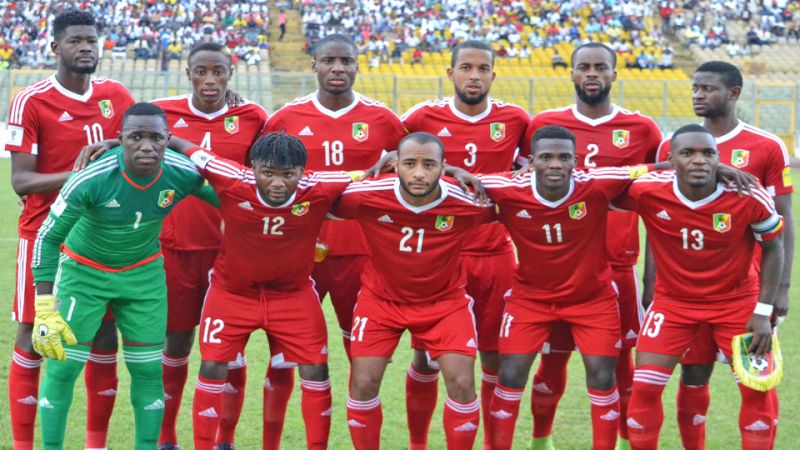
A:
230, 132
560, 257
622, 138
486, 143
54, 123
702, 248
412, 247
266, 247
755, 151
352, 138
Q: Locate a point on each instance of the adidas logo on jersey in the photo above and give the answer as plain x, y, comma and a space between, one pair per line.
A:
471, 343
246, 205
181, 124
631, 335
306, 132
757, 426
523, 214
108, 393
634, 424
469, 426
611, 415
543, 388
698, 419
663, 215
502, 414
65, 117
113, 203
355, 424
156, 405
385, 219
44, 403
29, 400
444, 132
210, 412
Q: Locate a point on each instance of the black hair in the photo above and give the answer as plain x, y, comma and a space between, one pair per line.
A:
209, 47
471, 43
337, 37
691, 128
730, 75
279, 150
594, 45
144, 109
551, 132
422, 138
69, 18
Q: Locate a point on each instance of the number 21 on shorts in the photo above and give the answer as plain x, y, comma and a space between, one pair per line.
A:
652, 324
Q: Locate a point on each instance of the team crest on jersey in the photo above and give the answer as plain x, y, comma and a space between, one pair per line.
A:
166, 198
300, 209
577, 211
106, 108
722, 222
360, 131
232, 124
444, 223
621, 138
740, 158
497, 131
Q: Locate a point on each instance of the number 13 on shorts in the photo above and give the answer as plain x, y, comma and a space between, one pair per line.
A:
652, 324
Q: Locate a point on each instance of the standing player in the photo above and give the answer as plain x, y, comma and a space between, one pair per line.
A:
49, 123
715, 90
703, 236
341, 130
414, 222
606, 135
481, 135
99, 248
191, 234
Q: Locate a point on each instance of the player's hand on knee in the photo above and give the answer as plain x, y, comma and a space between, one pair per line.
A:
762, 334
49, 328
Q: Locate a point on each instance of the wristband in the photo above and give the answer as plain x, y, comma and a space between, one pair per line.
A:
763, 309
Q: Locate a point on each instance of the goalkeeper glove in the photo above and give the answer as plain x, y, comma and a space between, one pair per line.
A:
49, 328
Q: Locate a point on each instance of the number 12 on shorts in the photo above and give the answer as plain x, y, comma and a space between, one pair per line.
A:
210, 330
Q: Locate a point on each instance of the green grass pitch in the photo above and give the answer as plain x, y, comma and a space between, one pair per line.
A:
573, 423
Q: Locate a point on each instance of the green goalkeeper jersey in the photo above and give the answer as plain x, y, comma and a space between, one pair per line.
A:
109, 219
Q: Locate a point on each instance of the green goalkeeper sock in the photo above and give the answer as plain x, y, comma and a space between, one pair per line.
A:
542, 443
147, 393
55, 395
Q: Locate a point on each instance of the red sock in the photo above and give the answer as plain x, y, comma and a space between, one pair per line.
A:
421, 395
174, 373
316, 405
773, 396
205, 412
548, 387
364, 419
461, 421
756, 418
232, 401
645, 411
101, 393
278, 385
23, 392
488, 382
692, 405
605, 418
625, 387
504, 409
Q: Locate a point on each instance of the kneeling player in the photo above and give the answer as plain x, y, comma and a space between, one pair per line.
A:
703, 236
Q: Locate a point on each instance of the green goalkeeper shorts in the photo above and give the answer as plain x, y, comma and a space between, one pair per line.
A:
137, 297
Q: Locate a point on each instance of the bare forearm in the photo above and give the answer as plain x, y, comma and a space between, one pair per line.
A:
26, 183
44, 287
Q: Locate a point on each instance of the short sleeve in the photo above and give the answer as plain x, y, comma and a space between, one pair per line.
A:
220, 172
662, 154
778, 176
766, 223
23, 127
347, 205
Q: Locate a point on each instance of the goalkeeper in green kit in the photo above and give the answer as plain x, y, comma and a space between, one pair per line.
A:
98, 247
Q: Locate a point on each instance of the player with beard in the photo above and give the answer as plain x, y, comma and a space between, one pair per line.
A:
606, 136
716, 88
481, 135
49, 123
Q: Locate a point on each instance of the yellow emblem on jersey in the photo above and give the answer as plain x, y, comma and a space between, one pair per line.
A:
722, 222
637, 171
106, 108
357, 175
787, 177
577, 211
740, 158
444, 223
166, 198
300, 209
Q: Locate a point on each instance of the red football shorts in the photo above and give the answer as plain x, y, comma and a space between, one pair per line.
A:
488, 280
340, 276
293, 320
670, 325
446, 326
187, 283
526, 324
703, 349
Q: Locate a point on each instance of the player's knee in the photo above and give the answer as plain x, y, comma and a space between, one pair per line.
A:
314, 372
601, 376
696, 374
460, 386
106, 336
213, 370
512, 376
364, 385
179, 343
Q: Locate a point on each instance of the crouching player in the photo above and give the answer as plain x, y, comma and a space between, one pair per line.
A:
703, 236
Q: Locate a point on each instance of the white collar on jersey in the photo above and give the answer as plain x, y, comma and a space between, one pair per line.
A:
338, 113
702, 202
451, 102
420, 209
547, 202
67, 93
207, 116
594, 122
731, 134
283, 205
